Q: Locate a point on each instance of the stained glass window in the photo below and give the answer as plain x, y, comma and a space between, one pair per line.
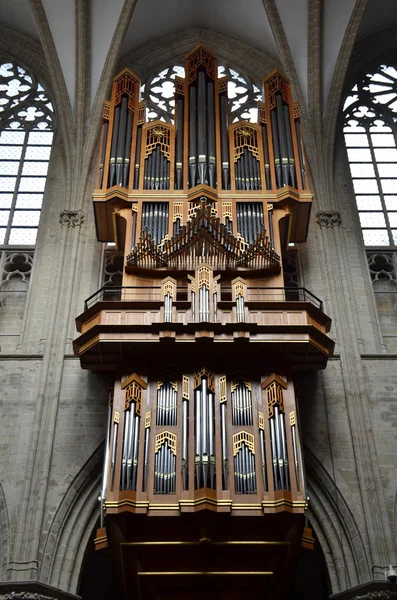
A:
158, 93
26, 132
370, 130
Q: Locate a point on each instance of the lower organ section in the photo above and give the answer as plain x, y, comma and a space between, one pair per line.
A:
181, 442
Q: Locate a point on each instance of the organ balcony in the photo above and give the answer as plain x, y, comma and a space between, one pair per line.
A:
122, 323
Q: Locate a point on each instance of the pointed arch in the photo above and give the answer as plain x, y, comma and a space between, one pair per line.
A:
4, 534
341, 541
71, 527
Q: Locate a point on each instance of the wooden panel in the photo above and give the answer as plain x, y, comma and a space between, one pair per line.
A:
113, 318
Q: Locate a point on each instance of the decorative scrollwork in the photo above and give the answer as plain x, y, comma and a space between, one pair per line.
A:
328, 218
71, 218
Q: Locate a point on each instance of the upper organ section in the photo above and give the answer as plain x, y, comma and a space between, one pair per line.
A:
251, 174
203, 211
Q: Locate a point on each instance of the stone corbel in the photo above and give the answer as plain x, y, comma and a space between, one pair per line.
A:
71, 218
328, 218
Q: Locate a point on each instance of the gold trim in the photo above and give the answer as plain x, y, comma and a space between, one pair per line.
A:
222, 389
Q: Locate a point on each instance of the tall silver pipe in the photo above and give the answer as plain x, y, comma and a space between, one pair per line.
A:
249, 407
175, 407
135, 456
106, 463
125, 446
127, 150
283, 141
211, 439
198, 438
192, 135
113, 149
291, 160
204, 410
263, 456
130, 445
121, 142
114, 451
274, 455
179, 141
103, 151
280, 460
156, 472
137, 157
211, 133
296, 459
185, 444
276, 146
224, 446
202, 136
284, 450
146, 460
224, 141
236, 475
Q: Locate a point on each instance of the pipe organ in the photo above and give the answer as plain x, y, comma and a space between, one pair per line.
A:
203, 342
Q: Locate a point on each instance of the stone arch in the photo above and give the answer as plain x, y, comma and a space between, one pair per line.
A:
336, 528
247, 59
71, 527
4, 534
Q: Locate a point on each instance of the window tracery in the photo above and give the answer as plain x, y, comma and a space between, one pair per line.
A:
26, 133
370, 131
158, 93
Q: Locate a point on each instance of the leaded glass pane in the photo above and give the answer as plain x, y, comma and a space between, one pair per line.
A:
25, 147
372, 107
23, 237
29, 200
372, 219
368, 203
26, 217
376, 237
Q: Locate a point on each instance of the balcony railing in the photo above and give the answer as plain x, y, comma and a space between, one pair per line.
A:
143, 294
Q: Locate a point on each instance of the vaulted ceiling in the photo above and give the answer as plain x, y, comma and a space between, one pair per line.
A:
276, 27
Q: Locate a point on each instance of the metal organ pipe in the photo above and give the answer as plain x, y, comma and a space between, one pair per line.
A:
185, 430
179, 141
211, 133
276, 148
192, 136
201, 127
106, 461
283, 140
291, 160
103, 151
266, 157
113, 149
137, 157
224, 446
198, 463
224, 141
114, 452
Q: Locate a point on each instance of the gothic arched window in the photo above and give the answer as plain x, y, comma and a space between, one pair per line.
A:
370, 130
26, 132
158, 93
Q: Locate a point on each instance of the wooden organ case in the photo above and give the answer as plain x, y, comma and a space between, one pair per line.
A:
203, 341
